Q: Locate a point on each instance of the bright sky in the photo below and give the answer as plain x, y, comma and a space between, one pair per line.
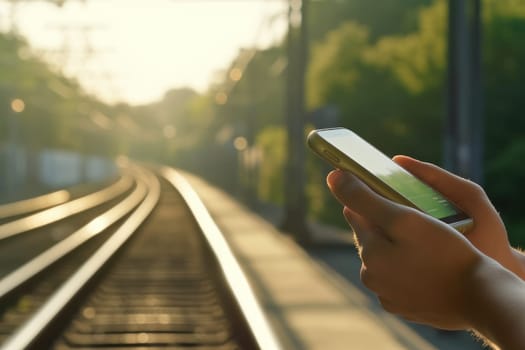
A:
135, 50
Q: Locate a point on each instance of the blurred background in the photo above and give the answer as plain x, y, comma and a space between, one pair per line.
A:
229, 89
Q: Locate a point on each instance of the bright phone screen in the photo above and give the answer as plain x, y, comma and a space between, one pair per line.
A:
378, 164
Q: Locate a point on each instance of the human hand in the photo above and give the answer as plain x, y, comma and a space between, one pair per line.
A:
419, 267
488, 233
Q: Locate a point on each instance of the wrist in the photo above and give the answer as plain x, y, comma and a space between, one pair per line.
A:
477, 281
495, 303
519, 262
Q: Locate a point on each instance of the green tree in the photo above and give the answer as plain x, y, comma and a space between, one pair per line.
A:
272, 142
504, 74
381, 17
56, 112
389, 90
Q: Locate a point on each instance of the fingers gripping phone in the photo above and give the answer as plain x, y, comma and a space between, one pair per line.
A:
345, 150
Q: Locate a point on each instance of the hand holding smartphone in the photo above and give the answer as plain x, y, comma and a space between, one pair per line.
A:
345, 150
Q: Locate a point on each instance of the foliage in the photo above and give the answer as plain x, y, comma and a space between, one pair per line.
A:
388, 90
257, 99
56, 112
272, 142
506, 173
381, 65
391, 89
253, 108
381, 17
504, 104
405, 73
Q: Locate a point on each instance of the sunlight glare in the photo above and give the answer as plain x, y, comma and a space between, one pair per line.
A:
235, 74
240, 143
135, 50
18, 105
97, 225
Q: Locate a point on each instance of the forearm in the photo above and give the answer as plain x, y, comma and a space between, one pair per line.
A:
497, 306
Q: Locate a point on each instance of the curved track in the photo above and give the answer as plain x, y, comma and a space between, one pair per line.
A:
147, 267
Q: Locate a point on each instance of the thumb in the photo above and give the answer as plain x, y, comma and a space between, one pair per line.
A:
467, 195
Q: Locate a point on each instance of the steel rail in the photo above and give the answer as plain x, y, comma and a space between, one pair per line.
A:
29, 333
34, 204
25, 273
237, 281
48, 216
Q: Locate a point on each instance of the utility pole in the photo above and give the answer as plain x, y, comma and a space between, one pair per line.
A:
464, 127
76, 41
295, 200
477, 116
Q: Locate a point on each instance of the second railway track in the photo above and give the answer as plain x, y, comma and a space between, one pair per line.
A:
166, 288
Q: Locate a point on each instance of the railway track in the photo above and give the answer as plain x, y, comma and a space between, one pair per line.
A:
144, 267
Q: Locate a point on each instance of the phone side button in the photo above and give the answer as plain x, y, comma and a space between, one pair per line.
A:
330, 156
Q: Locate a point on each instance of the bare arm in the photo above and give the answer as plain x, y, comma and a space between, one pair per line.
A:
497, 309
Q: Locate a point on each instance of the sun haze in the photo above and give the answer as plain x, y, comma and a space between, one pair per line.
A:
133, 51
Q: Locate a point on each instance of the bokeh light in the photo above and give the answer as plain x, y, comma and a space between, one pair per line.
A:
221, 98
18, 105
235, 74
240, 143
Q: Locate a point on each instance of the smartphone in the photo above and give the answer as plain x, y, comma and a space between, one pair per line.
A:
345, 150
